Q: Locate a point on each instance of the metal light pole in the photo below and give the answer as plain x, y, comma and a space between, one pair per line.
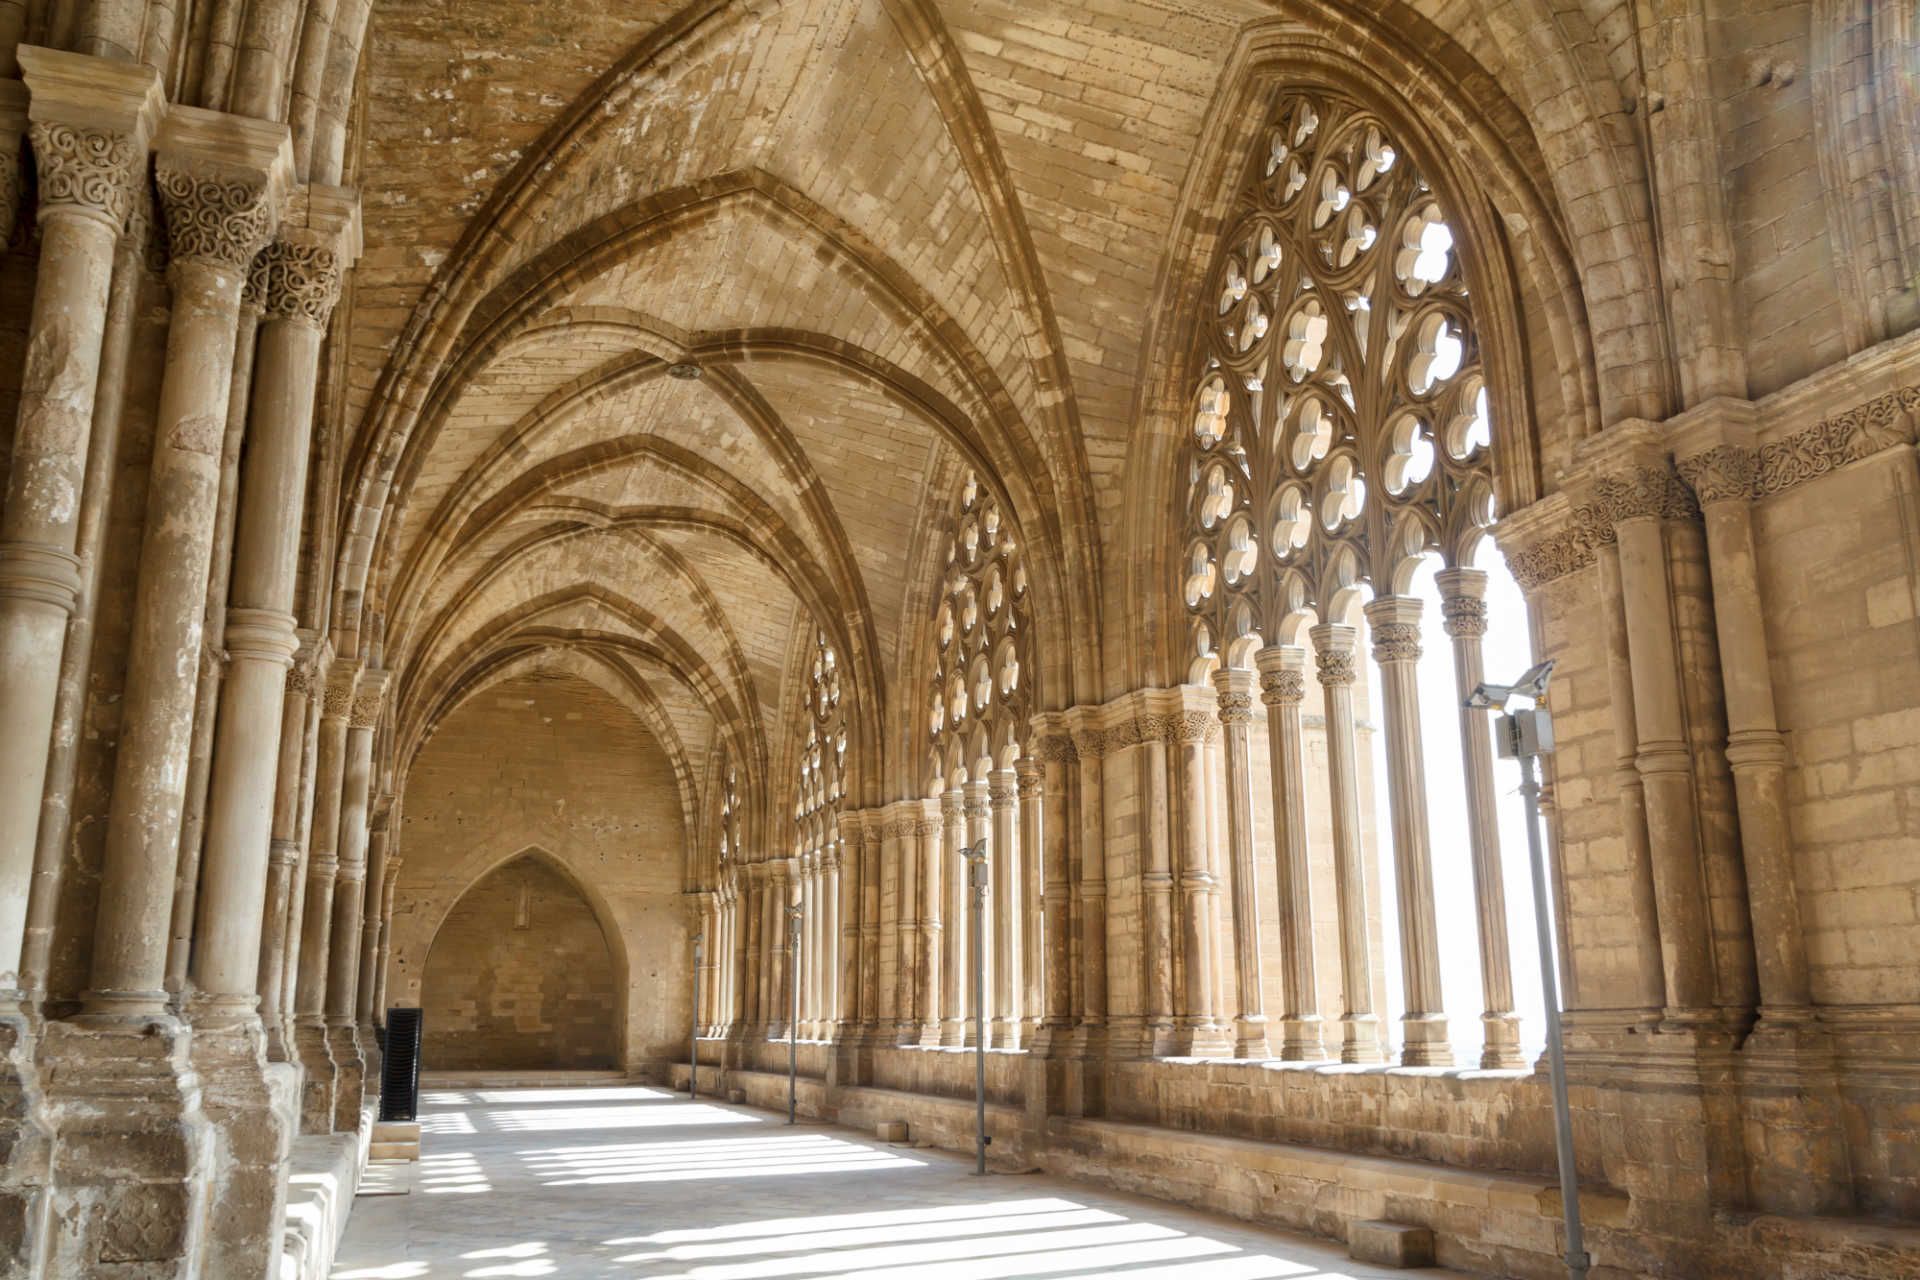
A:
693, 1041
1526, 734
977, 879
793, 986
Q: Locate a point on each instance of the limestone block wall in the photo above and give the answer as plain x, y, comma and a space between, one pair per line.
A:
520, 978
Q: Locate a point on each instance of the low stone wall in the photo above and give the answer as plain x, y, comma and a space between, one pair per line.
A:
323, 1175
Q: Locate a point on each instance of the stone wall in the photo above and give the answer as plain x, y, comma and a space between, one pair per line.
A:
520, 978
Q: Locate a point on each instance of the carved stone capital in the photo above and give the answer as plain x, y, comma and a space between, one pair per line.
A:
90, 120
369, 699
1003, 790
1054, 748
1724, 473
1464, 617
296, 282
1643, 492
221, 181
1192, 726
1029, 774
1236, 708
1396, 642
337, 703
1283, 687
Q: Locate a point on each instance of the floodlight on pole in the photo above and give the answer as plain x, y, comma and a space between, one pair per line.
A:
976, 858
793, 1011
1525, 733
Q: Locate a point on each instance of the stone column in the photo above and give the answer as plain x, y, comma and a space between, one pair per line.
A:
810, 943
1634, 502
316, 919
390, 886
738, 941
870, 928
753, 972
1089, 747
1030, 903
929, 830
302, 835
780, 948
954, 980
906, 1014
343, 949
847, 858
298, 280
1235, 690
1333, 645
1724, 477
220, 181
1395, 621
89, 123
1053, 749
1463, 607
379, 846
1282, 688
283, 851
977, 804
1003, 799
1197, 1030
831, 939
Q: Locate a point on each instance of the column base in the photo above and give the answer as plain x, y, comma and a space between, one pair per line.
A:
1500, 1050
929, 1037
1003, 1033
1424, 1041
1360, 1039
26, 1148
248, 1116
1301, 1040
1194, 1039
1250, 1039
906, 1035
349, 1076
317, 1076
953, 1033
128, 1194
375, 1060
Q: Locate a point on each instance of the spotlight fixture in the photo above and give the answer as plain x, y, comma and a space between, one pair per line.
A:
685, 370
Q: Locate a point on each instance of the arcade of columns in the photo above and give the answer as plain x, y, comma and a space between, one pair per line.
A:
1185, 946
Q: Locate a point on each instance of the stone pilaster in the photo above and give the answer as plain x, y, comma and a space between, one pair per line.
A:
1333, 645
1283, 687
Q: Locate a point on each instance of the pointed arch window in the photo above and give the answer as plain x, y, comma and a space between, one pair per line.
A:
1339, 450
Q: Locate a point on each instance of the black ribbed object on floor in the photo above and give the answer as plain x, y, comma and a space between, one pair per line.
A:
400, 1072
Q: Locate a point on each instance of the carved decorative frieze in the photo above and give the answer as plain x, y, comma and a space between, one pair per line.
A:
1860, 432
1724, 473
212, 217
85, 171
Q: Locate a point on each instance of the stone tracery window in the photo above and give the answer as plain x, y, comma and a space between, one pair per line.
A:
978, 701
1339, 446
1340, 425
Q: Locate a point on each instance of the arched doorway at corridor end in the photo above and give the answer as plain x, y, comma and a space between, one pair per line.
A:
522, 977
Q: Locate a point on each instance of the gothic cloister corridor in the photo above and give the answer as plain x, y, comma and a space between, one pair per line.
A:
1324, 592
603, 1182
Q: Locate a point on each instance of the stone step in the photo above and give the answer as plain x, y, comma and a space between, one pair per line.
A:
408, 1151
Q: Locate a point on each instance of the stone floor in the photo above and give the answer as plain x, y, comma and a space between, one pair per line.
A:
631, 1181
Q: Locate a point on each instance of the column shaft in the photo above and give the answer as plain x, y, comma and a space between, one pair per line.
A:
1198, 1029
1282, 688
1463, 605
931, 833
87, 175
979, 813
954, 980
1395, 621
1359, 1026
1003, 799
1234, 688
1055, 760
1092, 890
1030, 902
